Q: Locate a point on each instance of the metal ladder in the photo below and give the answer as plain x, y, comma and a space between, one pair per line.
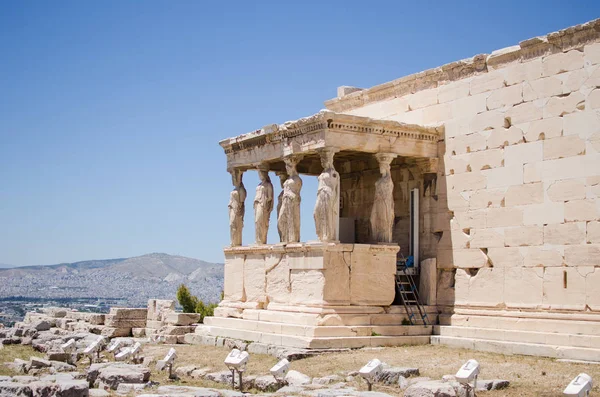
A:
410, 298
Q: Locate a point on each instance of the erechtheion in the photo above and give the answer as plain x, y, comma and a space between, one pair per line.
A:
485, 172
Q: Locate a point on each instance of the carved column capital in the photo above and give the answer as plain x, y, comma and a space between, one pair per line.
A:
327, 154
385, 158
236, 175
263, 167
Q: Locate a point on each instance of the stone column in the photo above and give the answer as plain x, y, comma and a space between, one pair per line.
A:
382, 213
263, 205
237, 199
288, 220
327, 207
283, 176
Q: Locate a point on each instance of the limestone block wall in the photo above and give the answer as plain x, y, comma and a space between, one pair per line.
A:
307, 275
517, 208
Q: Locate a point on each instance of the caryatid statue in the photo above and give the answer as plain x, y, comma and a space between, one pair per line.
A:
263, 205
282, 178
327, 207
382, 214
288, 220
237, 198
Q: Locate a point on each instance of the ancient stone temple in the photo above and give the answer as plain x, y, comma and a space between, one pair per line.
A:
485, 172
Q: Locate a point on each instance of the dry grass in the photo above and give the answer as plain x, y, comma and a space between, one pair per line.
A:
10, 352
529, 376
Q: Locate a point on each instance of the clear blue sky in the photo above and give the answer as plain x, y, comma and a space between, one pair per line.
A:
111, 111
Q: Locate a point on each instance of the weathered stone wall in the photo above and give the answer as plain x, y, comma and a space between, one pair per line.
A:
517, 210
308, 274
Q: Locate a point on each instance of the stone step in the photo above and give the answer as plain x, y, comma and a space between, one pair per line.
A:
318, 331
543, 338
520, 323
394, 316
527, 349
303, 342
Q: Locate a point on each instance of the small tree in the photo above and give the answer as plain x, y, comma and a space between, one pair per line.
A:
186, 299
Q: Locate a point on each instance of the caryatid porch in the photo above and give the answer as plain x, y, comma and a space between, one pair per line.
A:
338, 291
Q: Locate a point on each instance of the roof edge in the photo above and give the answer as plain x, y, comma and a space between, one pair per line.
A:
570, 38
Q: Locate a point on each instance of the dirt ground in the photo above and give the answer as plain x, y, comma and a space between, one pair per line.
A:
529, 376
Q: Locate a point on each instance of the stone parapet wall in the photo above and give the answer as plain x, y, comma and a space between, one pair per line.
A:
517, 206
310, 274
575, 37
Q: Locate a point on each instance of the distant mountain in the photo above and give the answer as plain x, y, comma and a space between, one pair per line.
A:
4, 266
134, 280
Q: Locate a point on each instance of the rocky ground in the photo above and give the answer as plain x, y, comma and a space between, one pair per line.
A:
37, 365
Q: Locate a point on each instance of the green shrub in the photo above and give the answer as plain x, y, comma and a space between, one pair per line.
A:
186, 299
191, 304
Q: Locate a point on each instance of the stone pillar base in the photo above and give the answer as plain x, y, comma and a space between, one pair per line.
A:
315, 296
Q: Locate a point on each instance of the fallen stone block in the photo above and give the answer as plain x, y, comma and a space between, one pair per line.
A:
10, 389
182, 318
290, 390
73, 388
419, 379
295, 378
494, 384
127, 388
41, 325
158, 309
225, 378
169, 339
57, 377
90, 318
219, 377
58, 356
37, 362
56, 312
114, 374
430, 389
175, 330
116, 322
111, 332
98, 393
185, 370
268, 383
16, 366
25, 379
200, 373
390, 375
62, 366
327, 380
127, 313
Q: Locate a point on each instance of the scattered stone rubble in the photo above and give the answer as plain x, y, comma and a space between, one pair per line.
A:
159, 321
56, 373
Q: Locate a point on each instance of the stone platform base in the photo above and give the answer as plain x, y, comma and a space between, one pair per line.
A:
559, 335
319, 328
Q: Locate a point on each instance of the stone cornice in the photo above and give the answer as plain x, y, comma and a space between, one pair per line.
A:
326, 120
314, 247
574, 37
